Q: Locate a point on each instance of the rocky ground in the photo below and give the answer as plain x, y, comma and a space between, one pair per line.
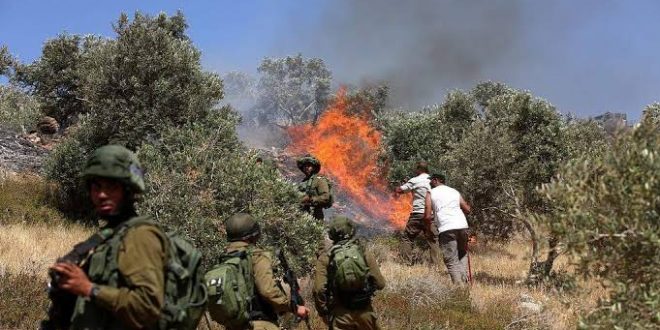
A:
18, 153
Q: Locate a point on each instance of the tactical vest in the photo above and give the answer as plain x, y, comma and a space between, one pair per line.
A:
307, 188
103, 268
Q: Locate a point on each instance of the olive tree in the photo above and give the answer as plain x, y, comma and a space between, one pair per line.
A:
292, 90
605, 211
149, 77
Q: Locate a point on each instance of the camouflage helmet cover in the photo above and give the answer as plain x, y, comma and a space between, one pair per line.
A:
115, 162
311, 160
341, 228
241, 226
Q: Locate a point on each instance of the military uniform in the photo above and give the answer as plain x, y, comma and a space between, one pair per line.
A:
314, 187
127, 266
319, 192
339, 315
131, 295
271, 298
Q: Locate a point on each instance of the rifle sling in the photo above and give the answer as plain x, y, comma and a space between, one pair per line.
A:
83, 248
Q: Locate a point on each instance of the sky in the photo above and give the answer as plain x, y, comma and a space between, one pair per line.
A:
586, 57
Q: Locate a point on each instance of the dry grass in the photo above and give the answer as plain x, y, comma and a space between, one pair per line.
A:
31, 248
417, 297
33, 235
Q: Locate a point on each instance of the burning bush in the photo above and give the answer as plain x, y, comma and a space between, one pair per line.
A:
349, 148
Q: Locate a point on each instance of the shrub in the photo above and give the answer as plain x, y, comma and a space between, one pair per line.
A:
18, 111
198, 176
54, 79
135, 86
64, 166
606, 212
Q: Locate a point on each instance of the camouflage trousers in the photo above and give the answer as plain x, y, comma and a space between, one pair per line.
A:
346, 319
416, 227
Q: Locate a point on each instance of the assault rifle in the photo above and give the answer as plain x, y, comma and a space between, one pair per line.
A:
291, 279
62, 303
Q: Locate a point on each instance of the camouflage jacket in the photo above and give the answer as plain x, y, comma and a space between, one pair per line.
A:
317, 189
130, 276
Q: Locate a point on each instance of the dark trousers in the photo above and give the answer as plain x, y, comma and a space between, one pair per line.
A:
416, 227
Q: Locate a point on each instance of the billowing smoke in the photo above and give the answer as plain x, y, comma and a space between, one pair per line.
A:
421, 48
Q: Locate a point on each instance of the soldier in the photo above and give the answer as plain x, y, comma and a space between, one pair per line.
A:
446, 206
243, 232
316, 188
119, 286
340, 308
417, 225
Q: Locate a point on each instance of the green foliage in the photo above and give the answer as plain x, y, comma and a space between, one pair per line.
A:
132, 88
495, 143
651, 114
198, 176
370, 101
583, 137
54, 78
292, 90
410, 137
606, 211
18, 111
147, 79
64, 166
6, 60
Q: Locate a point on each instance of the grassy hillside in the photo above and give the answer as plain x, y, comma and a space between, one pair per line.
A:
33, 234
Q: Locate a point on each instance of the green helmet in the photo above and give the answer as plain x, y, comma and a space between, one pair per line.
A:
115, 162
241, 226
341, 228
309, 159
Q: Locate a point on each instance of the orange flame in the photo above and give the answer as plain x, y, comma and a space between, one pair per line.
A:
348, 149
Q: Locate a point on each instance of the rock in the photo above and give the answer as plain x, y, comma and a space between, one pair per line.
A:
48, 125
18, 154
528, 304
531, 307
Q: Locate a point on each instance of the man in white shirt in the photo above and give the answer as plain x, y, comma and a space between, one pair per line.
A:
417, 225
447, 208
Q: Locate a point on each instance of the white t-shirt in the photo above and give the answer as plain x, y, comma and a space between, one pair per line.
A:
419, 186
446, 203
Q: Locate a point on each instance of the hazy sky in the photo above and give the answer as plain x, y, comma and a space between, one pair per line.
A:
585, 57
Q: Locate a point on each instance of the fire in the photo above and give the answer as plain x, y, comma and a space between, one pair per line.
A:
348, 148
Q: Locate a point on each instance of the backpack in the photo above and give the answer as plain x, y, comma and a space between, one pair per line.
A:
185, 293
349, 269
231, 289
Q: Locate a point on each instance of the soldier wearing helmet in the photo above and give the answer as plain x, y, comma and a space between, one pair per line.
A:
242, 233
120, 282
339, 309
316, 188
